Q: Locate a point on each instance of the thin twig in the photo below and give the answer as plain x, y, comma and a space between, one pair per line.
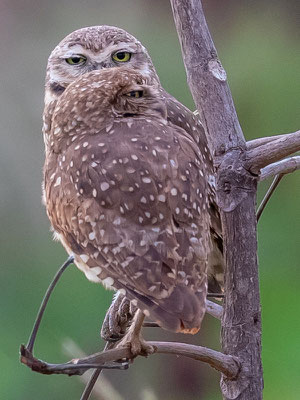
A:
45, 302
103, 390
215, 310
150, 325
215, 295
94, 377
268, 195
285, 166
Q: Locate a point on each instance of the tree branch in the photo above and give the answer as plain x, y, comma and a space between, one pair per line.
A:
286, 166
226, 364
236, 197
214, 309
252, 144
207, 78
268, 153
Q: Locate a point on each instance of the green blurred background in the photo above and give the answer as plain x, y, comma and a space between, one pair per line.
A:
257, 43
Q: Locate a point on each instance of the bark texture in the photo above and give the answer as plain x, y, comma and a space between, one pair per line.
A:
236, 195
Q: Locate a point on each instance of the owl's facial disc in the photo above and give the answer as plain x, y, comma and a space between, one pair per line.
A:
70, 60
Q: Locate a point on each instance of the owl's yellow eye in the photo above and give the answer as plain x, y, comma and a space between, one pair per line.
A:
135, 93
121, 56
76, 60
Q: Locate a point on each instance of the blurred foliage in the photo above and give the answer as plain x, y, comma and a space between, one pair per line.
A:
257, 44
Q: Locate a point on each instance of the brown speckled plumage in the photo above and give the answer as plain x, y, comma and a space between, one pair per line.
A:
127, 189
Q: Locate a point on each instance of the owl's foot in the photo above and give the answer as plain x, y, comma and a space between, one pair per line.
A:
133, 338
117, 319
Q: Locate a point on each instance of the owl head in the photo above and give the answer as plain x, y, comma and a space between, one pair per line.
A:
94, 48
97, 99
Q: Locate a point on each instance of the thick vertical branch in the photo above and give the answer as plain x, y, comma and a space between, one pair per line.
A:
236, 194
206, 77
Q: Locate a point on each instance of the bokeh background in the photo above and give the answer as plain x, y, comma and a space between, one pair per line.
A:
259, 47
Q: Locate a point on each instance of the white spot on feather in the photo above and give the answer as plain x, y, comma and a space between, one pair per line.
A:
92, 236
104, 186
84, 257
108, 282
146, 180
58, 181
161, 198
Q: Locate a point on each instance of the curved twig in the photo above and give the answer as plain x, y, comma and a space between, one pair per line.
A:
44, 303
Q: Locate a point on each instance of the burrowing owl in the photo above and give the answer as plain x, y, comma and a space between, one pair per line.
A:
98, 47
126, 192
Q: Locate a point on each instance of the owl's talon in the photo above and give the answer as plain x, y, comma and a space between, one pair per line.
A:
113, 338
134, 340
116, 319
138, 346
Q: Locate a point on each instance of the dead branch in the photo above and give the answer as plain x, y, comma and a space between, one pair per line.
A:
252, 144
214, 309
286, 166
228, 365
207, 78
236, 196
269, 153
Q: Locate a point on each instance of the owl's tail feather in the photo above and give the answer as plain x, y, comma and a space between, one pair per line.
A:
182, 311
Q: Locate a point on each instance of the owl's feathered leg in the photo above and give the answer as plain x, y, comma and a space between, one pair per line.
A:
117, 318
134, 339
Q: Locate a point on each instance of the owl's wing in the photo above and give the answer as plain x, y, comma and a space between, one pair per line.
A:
181, 116
141, 215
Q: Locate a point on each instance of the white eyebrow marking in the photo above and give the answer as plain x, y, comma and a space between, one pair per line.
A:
99, 56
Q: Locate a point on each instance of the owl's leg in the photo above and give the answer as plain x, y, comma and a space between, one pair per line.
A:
117, 318
134, 339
